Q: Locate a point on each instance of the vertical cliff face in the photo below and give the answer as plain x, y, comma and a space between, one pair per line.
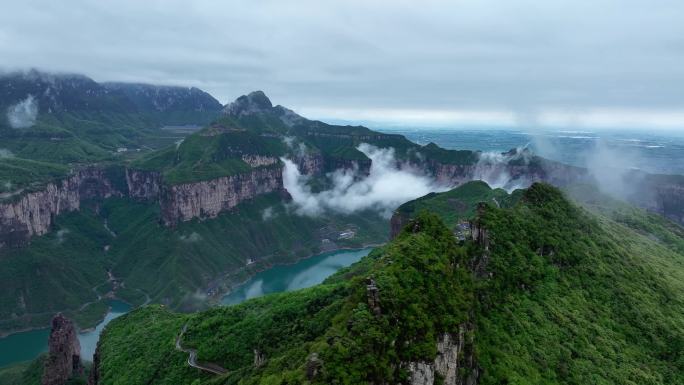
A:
665, 197
33, 213
64, 356
670, 201
206, 199
503, 173
143, 185
453, 365
310, 164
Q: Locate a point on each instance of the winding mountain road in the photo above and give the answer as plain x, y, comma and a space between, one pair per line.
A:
192, 357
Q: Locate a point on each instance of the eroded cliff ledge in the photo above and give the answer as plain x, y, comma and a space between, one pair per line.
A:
33, 213
207, 199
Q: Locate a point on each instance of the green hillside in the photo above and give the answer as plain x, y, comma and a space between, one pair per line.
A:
66, 268
557, 294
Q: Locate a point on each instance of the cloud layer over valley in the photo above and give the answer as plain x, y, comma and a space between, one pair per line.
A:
387, 186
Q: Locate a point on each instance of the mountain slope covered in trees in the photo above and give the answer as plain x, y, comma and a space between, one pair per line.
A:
543, 291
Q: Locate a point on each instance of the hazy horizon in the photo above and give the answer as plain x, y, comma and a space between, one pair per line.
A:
604, 63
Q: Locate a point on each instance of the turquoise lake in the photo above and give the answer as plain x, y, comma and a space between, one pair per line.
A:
305, 273
26, 346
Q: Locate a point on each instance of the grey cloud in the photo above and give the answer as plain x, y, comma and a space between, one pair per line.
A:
517, 54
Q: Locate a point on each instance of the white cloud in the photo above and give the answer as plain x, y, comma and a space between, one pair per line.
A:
23, 114
267, 214
191, 238
386, 187
459, 58
5, 153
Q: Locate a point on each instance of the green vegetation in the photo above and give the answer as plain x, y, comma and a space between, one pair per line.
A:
67, 267
56, 273
206, 155
90, 315
23, 373
31, 373
557, 294
20, 174
458, 204
155, 328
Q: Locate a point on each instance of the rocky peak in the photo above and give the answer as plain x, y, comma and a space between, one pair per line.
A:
253, 103
258, 103
64, 356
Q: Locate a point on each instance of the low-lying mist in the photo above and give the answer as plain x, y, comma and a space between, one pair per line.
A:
388, 185
611, 169
24, 113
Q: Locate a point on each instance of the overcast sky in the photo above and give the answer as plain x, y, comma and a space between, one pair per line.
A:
609, 62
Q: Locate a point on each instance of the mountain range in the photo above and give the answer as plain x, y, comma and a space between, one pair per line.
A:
100, 198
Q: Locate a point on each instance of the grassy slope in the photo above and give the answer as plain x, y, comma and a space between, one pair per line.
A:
573, 298
16, 174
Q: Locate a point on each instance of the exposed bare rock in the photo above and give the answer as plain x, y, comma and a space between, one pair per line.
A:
373, 296
33, 213
94, 376
253, 103
397, 223
258, 160
207, 199
259, 358
310, 164
313, 366
454, 363
421, 373
143, 185
64, 357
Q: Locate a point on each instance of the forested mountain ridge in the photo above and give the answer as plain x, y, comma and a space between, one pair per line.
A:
67, 214
540, 292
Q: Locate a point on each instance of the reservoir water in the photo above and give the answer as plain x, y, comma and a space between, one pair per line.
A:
305, 273
28, 345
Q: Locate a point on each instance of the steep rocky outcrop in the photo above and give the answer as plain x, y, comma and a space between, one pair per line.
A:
669, 201
206, 199
33, 213
310, 164
94, 376
454, 363
64, 356
505, 173
143, 185
397, 223
662, 194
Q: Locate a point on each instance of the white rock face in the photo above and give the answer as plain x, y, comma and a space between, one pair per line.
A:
206, 199
449, 347
143, 185
258, 160
421, 373
34, 212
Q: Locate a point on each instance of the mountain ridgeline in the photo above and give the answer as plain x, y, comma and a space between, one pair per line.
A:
518, 289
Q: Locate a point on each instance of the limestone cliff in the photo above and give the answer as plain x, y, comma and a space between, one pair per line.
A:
33, 213
206, 199
310, 164
143, 185
454, 363
64, 356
